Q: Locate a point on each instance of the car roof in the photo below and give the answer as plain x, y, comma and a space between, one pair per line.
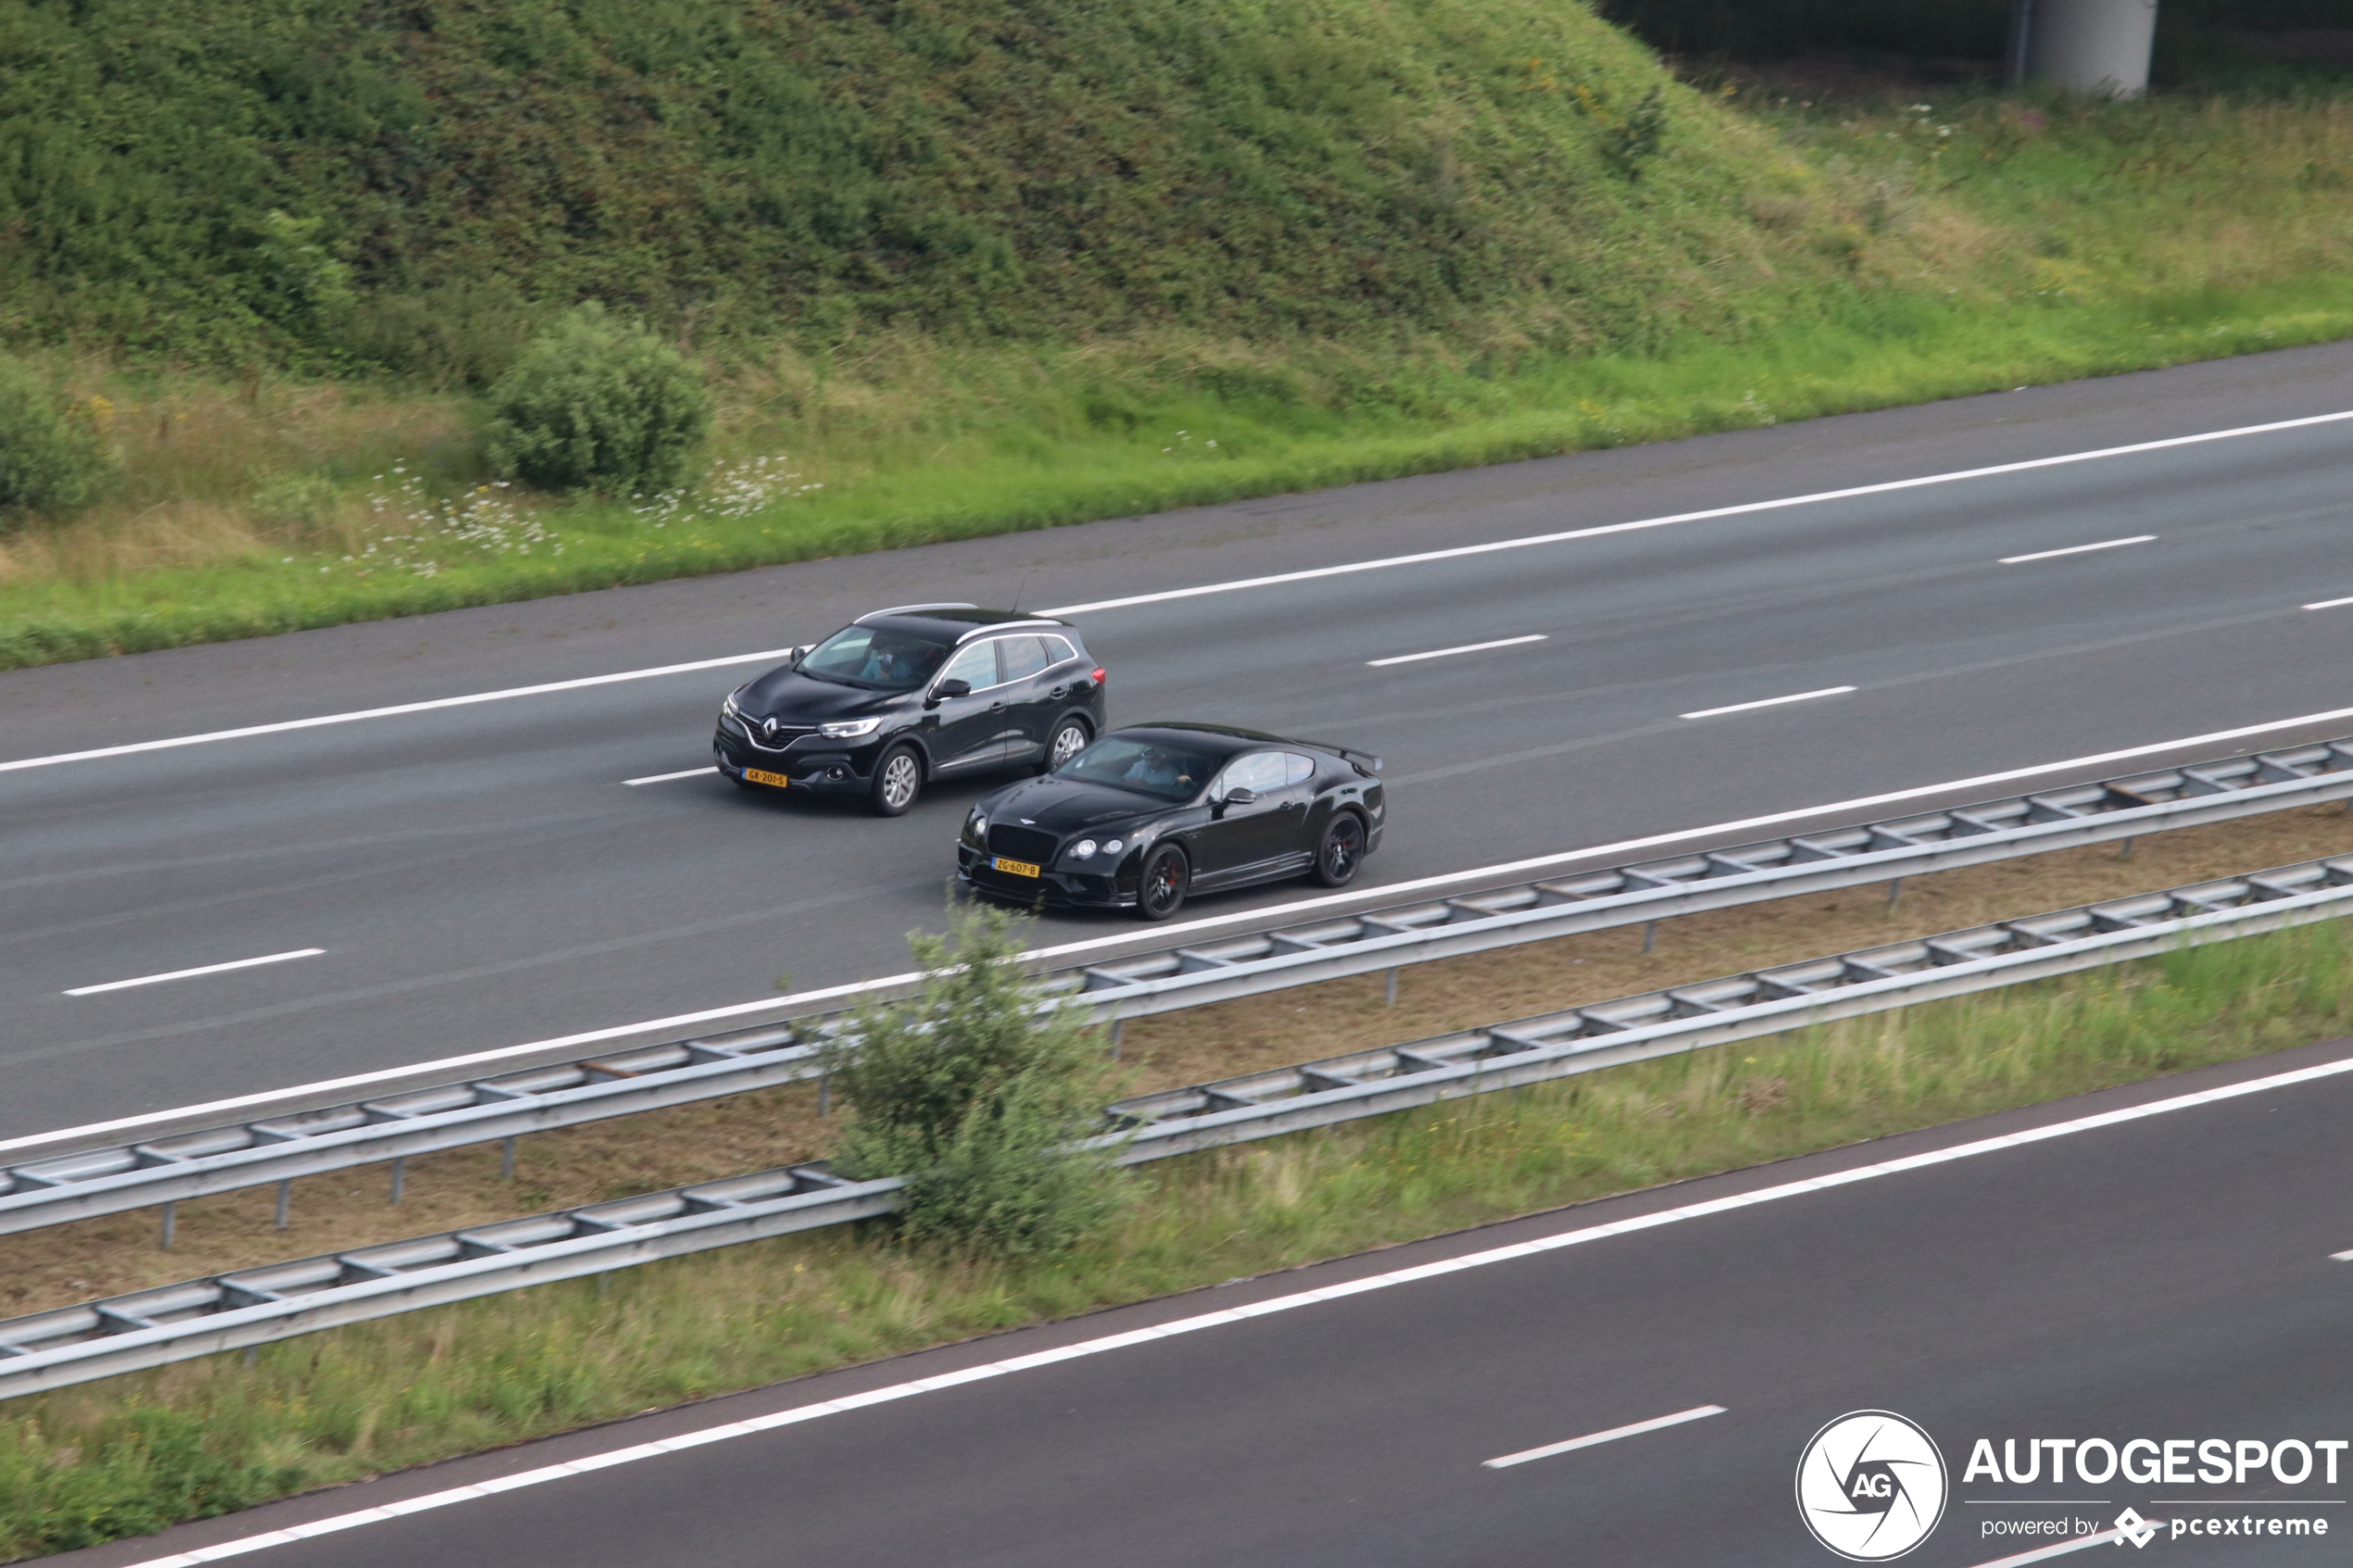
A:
953, 623
1222, 740
1226, 740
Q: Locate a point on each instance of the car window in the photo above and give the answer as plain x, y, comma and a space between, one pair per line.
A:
869, 656
1057, 650
1261, 773
1172, 772
1025, 657
1298, 770
974, 664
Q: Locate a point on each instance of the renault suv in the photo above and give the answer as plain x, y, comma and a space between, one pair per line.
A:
905, 695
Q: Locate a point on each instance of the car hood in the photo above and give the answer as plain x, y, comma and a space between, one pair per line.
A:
1065, 806
787, 693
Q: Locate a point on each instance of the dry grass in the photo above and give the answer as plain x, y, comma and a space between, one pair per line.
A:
69, 1263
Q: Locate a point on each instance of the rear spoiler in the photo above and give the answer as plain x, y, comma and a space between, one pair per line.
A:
1363, 759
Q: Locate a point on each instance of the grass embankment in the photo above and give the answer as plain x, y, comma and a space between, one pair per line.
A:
132, 1454
1340, 245
65, 1264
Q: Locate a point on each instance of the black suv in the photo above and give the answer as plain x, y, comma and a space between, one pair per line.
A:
910, 694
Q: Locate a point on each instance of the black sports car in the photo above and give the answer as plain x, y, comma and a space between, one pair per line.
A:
907, 695
1151, 813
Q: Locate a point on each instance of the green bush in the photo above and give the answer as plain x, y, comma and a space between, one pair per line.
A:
594, 403
52, 458
978, 1099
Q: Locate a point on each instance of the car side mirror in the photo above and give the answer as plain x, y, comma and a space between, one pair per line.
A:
952, 689
1241, 798
793, 656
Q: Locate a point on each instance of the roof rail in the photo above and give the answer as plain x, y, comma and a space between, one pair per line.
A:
1002, 625
907, 609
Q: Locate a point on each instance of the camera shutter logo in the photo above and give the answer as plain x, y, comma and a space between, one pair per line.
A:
1871, 1485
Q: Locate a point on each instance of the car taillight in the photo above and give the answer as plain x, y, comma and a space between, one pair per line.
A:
1099, 677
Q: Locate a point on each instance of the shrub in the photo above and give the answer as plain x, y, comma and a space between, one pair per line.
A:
52, 459
596, 402
978, 1099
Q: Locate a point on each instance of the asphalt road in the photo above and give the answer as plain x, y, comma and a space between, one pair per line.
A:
2163, 1278
480, 875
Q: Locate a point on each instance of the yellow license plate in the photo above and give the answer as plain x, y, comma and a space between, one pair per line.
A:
759, 776
1019, 868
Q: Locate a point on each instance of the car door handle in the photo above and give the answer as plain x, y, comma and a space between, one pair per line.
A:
1057, 693
996, 707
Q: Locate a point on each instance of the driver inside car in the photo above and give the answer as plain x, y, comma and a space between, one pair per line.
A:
1155, 768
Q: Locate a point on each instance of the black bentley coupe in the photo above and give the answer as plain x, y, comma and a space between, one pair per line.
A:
1152, 813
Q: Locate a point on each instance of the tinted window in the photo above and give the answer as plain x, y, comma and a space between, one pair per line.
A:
868, 656
1057, 650
976, 665
1298, 770
1025, 657
1261, 773
1172, 772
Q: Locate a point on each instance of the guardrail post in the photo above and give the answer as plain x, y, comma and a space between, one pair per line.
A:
2125, 853
824, 1094
1392, 988
1650, 936
1117, 1025
1894, 892
170, 1223
285, 1198
399, 1176
507, 1159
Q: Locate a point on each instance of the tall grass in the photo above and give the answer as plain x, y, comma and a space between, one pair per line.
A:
128, 1456
1874, 250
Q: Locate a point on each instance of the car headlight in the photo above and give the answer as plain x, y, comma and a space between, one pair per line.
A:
849, 729
1083, 848
1112, 847
728, 709
976, 827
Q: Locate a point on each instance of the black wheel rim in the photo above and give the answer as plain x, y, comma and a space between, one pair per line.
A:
1162, 887
1339, 855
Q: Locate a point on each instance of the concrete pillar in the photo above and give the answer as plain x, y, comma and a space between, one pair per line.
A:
2086, 45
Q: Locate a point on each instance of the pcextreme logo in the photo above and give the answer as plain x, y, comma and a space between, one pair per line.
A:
1871, 1485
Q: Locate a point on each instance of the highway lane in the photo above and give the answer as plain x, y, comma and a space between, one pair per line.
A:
480, 875
2164, 1277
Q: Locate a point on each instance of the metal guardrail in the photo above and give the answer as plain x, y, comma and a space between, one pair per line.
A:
103, 1181
249, 1307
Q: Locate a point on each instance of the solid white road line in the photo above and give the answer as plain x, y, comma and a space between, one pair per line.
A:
1277, 914
2078, 549
1448, 653
396, 710
1745, 508
2060, 1549
665, 778
1633, 1429
1577, 1237
2329, 604
2342, 1257
1768, 702
191, 974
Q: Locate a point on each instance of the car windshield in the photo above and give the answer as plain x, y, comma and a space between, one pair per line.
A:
1172, 772
869, 656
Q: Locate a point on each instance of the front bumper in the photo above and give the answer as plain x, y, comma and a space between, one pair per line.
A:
833, 772
1052, 889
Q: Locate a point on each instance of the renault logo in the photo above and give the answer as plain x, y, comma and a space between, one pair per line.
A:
771, 725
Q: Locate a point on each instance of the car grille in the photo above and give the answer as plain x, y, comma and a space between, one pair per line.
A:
1022, 844
756, 731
